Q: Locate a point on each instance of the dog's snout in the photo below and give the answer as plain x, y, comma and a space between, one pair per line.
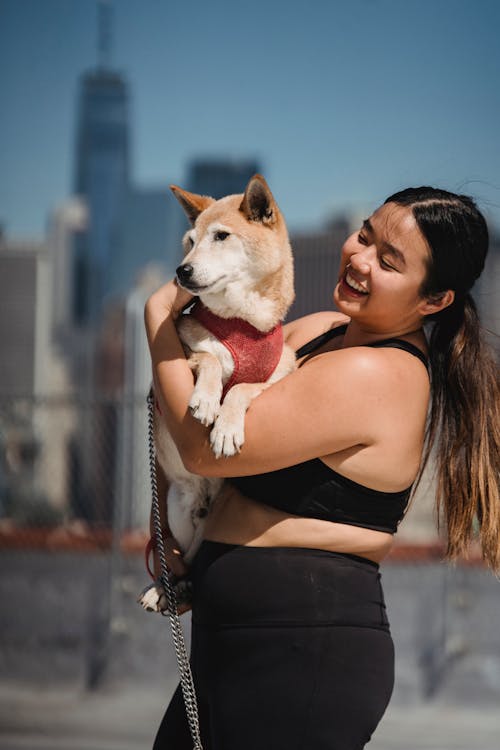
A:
184, 272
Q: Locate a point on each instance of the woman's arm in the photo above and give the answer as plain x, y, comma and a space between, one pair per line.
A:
333, 403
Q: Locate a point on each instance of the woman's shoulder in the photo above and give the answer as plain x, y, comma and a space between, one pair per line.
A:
301, 331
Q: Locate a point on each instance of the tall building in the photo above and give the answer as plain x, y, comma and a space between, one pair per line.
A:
316, 262
133, 485
101, 180
219, 177
67, 223
101, 173
148, 229
23, 274
487, 292
33, 378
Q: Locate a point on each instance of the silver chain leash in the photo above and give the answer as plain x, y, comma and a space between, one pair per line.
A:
187, 683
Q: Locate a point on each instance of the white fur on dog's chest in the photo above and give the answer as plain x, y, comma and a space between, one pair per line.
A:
198, 339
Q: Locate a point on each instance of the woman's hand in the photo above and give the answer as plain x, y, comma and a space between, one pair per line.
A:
153, 597
179, 570
173, 557
167, 302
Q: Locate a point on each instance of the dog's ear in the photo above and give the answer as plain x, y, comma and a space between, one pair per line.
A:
258, 203
192, 204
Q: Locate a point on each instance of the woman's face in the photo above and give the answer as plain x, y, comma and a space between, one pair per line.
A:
381, 272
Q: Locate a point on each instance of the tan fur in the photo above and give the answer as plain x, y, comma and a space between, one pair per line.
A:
193, 204
268, 242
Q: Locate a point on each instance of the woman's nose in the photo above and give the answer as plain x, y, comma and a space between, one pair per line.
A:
360, 262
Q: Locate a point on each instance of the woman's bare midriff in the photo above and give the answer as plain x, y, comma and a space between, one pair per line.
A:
235, 519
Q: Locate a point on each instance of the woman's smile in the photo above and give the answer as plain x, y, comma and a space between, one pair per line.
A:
352, 286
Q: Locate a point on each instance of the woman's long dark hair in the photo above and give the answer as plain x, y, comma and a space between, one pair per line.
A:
464, 422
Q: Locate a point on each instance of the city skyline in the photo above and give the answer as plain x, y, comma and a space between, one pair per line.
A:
341, 105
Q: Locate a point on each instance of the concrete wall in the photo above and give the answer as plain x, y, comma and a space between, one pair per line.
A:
56, 628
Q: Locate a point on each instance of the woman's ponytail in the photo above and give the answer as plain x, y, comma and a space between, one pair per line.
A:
465, 417
464, 424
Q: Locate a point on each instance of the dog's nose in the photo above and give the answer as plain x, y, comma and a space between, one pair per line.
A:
184, 273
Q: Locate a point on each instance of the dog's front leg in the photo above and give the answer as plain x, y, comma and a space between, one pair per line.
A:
228, 433
207, 393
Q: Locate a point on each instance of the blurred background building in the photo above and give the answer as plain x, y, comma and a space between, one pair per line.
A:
220, 177
102, 179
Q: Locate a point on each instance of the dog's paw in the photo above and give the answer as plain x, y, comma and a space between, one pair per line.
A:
204, 407
153, 598
227, 437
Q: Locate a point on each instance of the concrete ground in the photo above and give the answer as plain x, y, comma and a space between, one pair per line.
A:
126, 719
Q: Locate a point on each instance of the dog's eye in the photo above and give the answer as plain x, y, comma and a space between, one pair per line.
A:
191, 241
221, 236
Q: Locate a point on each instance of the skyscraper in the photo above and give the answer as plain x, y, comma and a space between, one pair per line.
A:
101, 174
24, 315
219, 177
67, 222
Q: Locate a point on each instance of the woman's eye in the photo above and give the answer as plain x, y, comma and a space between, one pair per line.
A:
361, 239
384, 264
221, 236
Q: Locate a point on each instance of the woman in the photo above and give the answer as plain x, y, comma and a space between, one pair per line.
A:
291, 644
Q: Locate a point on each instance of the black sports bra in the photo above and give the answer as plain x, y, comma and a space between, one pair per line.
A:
314, 490
323, 338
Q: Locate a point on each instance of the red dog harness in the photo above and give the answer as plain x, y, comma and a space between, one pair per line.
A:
255, 354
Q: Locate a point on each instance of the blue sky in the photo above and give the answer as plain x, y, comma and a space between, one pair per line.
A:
342, 102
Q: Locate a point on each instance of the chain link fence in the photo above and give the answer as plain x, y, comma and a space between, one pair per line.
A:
68, 461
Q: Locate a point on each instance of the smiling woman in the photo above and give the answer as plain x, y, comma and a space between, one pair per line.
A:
291, 645
385, 265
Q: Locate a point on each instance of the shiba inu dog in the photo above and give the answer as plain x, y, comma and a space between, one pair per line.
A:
238, 264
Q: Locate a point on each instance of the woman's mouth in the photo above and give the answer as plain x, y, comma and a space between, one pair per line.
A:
351, 286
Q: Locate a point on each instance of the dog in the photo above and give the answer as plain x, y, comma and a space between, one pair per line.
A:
238, 264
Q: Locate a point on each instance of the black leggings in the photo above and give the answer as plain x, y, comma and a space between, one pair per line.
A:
291, 650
